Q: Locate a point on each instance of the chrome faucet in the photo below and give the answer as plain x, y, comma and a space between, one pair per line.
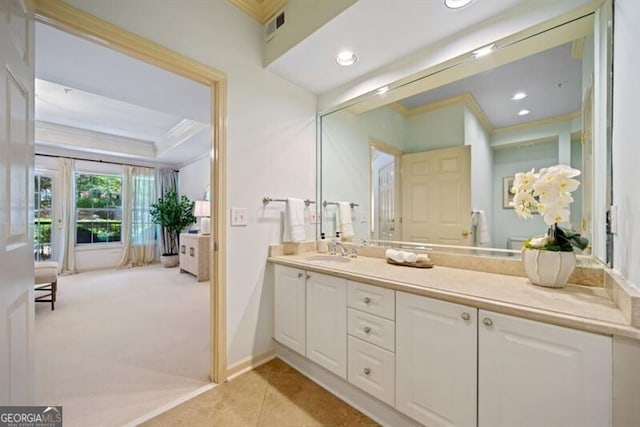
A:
343, 249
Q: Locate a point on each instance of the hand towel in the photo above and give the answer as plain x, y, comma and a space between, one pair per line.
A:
482, 230
409, 256
345, 225
294, 221
394, 255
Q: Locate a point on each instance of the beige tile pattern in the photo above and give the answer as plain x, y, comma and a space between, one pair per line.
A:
271, 395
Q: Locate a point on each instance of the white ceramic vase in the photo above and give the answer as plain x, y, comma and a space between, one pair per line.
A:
548, 268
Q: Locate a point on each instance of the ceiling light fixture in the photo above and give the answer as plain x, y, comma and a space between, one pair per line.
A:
457, 4
523, 112
483, 51
383, 90
346, 58
519, 95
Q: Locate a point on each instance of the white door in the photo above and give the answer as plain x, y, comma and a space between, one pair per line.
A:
327, 322
533, 374
16, 179
436, 196
387, 202
436, 361
289, 307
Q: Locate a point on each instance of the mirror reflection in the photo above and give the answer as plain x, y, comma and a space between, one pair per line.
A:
436, 166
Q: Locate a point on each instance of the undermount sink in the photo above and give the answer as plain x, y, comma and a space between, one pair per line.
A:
327, 259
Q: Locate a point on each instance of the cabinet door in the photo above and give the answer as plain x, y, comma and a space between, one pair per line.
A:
436, 361
289, 306
535, 374
327, 322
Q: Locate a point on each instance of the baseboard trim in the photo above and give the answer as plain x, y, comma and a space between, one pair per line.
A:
170, 405
250, 363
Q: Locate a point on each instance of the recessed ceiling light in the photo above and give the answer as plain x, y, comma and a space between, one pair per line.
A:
457, 4
483, 51
346, 58
519, 95
383, 90
523, 112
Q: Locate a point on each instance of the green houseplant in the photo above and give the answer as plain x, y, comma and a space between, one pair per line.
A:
174, 213
548, 259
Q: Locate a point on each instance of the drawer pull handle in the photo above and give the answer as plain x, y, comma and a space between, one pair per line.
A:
366, 371
487, 321
182, 249
367, 329
366, 300
191, 251
308, 277
300, 275
465, 315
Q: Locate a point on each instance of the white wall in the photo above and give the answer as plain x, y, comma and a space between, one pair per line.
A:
271, 140
194, 178
626, 173
433, 130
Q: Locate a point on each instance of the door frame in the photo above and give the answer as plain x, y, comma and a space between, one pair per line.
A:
72, 20
375, 144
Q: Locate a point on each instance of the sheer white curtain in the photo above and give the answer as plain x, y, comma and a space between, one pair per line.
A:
138, 231
66, 217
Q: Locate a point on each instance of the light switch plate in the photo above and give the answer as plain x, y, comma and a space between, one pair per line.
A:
313, 215
239, 217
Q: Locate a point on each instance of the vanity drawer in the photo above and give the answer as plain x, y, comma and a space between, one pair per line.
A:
372, 299
372, 329
372, 369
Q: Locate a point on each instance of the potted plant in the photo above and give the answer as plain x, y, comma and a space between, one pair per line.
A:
548, 259
174, 214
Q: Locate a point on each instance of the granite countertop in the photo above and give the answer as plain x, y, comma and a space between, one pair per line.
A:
581, 307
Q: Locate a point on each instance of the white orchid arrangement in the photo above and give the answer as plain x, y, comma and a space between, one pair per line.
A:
549, 193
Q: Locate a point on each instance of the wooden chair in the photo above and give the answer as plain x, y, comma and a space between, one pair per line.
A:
46, 282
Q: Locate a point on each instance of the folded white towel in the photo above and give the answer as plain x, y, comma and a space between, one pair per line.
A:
394, 255
345, 224
409, 257
479, 219
422, 258
294, 221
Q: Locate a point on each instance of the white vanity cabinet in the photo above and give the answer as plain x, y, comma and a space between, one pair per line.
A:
534, 374
436, 361
327, 322
290, 307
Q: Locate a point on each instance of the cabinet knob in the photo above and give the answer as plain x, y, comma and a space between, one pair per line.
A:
366, 300
366, 371
465, 316
308, 276
367, 329
300, 275
487, 321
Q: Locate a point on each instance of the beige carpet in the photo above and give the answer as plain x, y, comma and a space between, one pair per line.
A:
121, 343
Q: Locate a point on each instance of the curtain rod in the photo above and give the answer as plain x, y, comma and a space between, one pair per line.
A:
97, 161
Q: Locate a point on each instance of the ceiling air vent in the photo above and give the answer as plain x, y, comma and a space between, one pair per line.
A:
274, 24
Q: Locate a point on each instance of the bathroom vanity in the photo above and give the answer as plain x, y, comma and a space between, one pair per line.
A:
447, 346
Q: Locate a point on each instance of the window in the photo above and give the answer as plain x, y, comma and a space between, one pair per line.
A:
42, 218
98, 208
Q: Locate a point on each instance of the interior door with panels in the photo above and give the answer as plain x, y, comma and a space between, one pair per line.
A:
16, 180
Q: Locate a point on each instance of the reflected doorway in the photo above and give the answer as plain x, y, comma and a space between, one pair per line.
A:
385, 167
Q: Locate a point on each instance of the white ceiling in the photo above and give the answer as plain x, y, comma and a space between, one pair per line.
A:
83, 85
552, 80
380, 32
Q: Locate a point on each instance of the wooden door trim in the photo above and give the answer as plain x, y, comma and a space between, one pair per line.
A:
67, 18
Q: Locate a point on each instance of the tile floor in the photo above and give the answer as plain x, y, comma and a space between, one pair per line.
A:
271, 395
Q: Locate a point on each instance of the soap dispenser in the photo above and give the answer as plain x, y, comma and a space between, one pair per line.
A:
323, 247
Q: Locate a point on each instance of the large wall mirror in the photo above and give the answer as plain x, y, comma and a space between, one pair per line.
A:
431, 162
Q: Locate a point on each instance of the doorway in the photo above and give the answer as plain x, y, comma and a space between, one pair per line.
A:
74, 21
385, 200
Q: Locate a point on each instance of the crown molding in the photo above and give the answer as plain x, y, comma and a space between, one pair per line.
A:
260, 10
465, 98
183, 131
537, 123
577, 48
51, 134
